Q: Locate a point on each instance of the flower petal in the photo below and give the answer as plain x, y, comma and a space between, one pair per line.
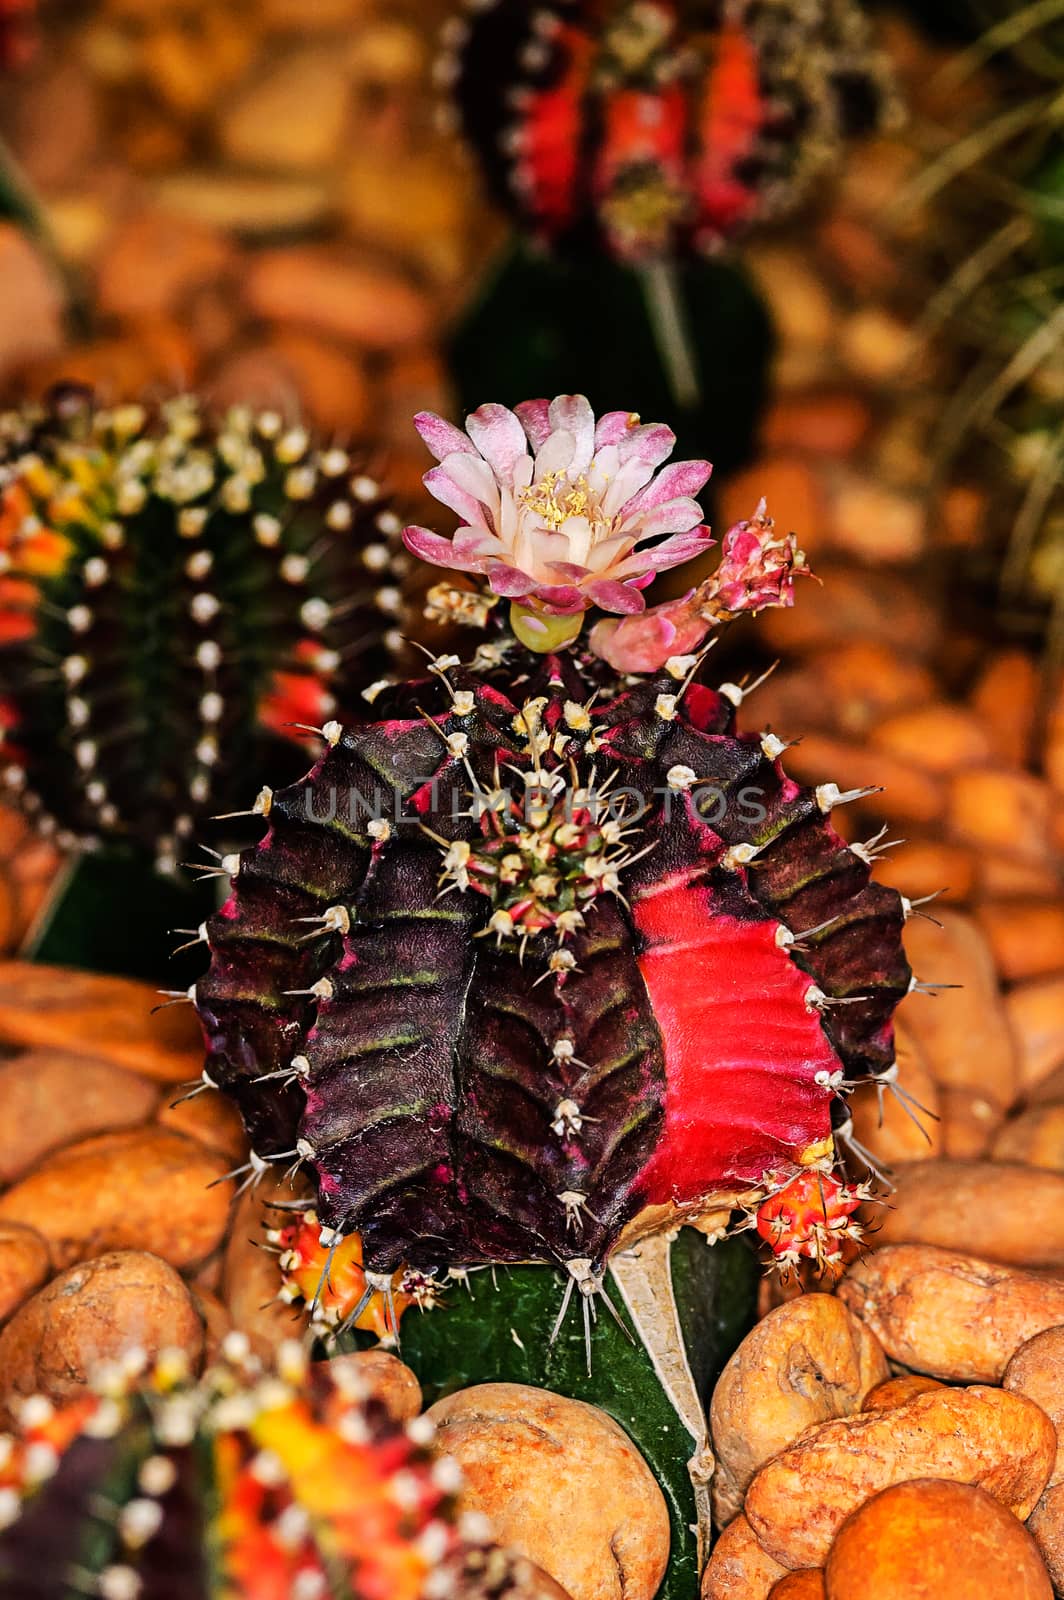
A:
549, 548
613, 596
615, 426
441, 552
562, 599
442, 438
443, 488
472, 474
572, 413
630, 478
675, 516
500, 438
510, 581
534, 416
652, 443
607, 552
568, 569
680, 479
605, 464
670, 553
479, 549
555, 456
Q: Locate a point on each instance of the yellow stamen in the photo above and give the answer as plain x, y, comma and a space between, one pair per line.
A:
556, 500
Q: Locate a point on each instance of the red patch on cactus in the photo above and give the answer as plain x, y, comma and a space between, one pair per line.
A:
18, 33
810, 1217
550, 170
733, 117
721, 1072
325, 1271
294, 699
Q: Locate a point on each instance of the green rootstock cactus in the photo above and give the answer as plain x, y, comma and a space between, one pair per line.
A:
177, 595
545, 957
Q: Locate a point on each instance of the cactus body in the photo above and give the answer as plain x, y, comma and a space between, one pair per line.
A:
244, 1485
525, 1026
647, 127
176, 595
18, 33
545, 954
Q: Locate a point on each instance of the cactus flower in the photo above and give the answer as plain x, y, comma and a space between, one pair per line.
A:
560, 511
757, 570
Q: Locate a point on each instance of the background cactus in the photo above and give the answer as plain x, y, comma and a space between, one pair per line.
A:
178, 592
636, 138
649, 126
265, 1485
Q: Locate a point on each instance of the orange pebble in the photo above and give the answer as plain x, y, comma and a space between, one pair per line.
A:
1006, 700
895, 1391
1026, 937
935, 1540
808, 1584
1002, 811
937, 738
1036, 1014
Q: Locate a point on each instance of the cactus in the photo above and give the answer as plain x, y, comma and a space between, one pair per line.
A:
636, 138
652, 126
550, 955
18, 33
545, 958
247, 1483
178, 595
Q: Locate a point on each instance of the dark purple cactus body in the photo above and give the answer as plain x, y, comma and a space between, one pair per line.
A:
513, 1025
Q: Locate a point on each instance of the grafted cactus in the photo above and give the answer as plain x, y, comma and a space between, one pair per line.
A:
649, 126
548, 955
287, 1484
178, 595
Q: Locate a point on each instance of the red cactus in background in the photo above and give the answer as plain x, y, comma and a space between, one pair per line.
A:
655, 125
18, 33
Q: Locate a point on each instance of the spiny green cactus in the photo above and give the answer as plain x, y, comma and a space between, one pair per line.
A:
178, 594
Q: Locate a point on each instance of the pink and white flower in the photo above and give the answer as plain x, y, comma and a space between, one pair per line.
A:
561, 512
